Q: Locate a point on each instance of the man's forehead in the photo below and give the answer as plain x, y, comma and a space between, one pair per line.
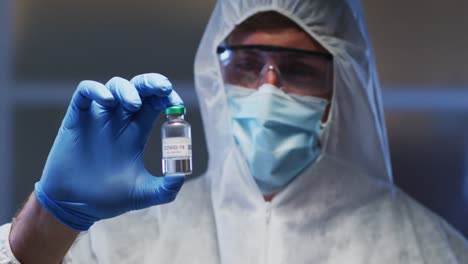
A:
285, 37
272, 28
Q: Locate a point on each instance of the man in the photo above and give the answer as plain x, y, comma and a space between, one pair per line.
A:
299, 170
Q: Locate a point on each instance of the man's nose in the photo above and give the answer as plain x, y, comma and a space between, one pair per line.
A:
271, 76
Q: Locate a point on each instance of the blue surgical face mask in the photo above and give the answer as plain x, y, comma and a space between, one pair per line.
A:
277, 133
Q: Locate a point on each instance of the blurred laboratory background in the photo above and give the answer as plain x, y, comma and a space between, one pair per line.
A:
48, 46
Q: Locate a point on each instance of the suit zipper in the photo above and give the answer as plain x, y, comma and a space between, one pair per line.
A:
267, 231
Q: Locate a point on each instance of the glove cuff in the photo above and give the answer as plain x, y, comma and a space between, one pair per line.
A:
68, 217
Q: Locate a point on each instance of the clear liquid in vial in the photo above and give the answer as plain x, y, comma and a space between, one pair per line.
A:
177, 166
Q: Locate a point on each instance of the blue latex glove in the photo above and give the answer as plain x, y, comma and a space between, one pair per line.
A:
95, 168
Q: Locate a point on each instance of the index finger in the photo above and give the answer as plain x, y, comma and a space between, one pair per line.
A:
149, 84
89, 91
173, 99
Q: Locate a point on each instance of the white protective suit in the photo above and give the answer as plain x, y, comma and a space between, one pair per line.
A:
343, 209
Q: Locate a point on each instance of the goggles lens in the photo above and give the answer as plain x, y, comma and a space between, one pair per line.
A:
300, 71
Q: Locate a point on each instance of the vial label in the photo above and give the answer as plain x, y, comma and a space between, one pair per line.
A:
177, 147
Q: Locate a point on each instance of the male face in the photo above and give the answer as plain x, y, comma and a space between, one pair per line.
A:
282, 37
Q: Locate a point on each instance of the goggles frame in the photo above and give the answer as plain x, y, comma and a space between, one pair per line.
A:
221, 49
227, 52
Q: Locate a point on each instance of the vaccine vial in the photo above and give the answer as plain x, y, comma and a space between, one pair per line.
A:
176, 143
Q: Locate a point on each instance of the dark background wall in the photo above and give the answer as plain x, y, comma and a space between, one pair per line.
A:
420, 46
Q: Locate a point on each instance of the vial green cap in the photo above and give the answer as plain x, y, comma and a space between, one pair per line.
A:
175, 110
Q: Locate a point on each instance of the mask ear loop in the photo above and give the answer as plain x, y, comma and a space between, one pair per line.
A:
323, 126
330, 82
324, 123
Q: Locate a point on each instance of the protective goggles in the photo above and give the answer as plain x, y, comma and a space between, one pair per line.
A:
297, 71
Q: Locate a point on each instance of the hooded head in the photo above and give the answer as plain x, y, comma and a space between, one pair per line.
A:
355, 132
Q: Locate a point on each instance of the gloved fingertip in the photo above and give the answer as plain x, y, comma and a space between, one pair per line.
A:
106, 99
162, 82
152, 84
88, 91
134, 104
174, 99
158, 79
132, 107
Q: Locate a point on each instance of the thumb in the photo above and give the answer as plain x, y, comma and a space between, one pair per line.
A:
157, 190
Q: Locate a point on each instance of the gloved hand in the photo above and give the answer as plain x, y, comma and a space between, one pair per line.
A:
95, 168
